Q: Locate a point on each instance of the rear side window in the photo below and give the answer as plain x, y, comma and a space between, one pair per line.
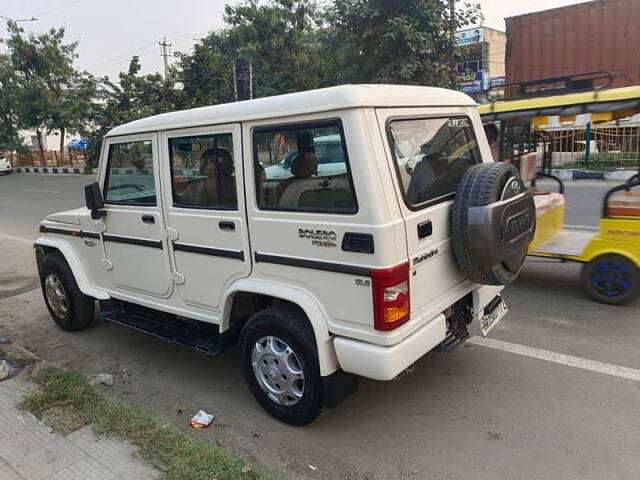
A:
203, 172
431, 155
303, 167
129, 178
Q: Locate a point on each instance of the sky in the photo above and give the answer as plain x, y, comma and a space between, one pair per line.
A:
109, 32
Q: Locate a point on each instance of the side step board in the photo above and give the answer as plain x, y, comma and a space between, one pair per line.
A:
195, 335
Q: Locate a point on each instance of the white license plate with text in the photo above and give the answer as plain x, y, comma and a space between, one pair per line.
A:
491, 318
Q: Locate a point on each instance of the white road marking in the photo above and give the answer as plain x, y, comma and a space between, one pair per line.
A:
42, 191
16, 239
560, 358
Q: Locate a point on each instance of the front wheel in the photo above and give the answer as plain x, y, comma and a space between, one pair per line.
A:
69, 307
611, 279
280, 364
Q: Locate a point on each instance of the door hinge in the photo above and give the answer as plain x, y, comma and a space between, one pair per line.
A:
178, 278
171, 234
107, 264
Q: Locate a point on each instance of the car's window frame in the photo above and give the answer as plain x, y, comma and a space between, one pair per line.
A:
235, 164
306, 124
107, 170
396, 166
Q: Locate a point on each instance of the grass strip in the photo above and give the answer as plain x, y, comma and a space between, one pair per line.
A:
66, 401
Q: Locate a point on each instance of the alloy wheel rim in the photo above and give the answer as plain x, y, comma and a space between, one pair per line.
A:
56, 296
278, 370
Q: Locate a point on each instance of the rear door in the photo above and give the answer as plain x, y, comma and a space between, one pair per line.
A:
429, 150
204, 205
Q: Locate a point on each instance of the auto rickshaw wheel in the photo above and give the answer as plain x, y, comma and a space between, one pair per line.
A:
611, 279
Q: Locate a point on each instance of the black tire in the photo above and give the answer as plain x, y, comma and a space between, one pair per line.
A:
79, 307
289, 324
481, 185
611, 279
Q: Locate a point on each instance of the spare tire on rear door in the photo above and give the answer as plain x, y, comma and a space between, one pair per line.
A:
492, 223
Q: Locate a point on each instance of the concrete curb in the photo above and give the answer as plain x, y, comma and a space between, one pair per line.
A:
577, 174
58, 170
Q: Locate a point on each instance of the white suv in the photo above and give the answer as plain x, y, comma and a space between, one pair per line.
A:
320, 276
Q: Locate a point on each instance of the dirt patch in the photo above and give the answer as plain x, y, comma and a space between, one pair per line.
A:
12, 284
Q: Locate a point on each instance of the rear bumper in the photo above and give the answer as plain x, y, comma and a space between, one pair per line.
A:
381, 362
384, 363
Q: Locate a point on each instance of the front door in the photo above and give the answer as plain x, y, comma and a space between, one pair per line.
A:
135, 251
204, 205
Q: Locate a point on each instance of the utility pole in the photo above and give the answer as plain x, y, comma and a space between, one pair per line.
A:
453, 77
250, 80
164, 53
235, 82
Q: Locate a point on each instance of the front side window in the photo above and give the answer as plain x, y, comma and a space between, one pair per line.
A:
129, 179
203, 171
431, 155
303, 168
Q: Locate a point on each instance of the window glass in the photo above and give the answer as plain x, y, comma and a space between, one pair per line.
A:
432, 154
303, 167
130, 174
203, 172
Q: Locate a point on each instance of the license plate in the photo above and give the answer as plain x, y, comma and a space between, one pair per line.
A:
492, 315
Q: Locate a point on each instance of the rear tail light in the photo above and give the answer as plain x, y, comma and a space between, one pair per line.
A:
391, 307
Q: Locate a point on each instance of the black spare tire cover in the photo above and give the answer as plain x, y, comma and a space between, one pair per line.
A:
492, 223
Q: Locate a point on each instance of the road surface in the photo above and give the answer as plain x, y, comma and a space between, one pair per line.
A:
553, 393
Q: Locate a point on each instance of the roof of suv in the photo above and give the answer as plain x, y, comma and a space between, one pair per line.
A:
311, 101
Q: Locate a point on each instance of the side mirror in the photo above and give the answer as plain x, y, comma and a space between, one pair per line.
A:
94, 201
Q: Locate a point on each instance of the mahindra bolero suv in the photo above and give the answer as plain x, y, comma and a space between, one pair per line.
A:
224, 225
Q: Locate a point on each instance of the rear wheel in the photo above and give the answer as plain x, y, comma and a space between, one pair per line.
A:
611, 279
69, 307
280, 364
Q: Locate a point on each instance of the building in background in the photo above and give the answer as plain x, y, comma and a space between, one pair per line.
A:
592, 36
481, 64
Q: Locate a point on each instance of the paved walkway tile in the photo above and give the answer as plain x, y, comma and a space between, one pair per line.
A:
48, 460
8, 473
26, 440
30, 451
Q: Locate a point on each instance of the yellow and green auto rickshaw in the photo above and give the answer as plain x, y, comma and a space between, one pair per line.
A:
610, 256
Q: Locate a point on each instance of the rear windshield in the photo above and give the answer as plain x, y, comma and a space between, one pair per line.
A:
431, 155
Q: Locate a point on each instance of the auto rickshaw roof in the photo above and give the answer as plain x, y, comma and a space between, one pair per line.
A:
605, 100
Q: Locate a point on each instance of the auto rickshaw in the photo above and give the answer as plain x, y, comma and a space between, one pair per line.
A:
610, 256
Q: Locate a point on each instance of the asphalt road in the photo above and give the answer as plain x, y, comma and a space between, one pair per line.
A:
553, 394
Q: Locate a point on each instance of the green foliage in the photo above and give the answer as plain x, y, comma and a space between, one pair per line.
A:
207, 73
67, 401
291, 45
9, 105
49, 93
278, 38
387, 41
606, 162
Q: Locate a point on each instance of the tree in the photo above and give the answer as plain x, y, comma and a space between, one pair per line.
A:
134, 96
207, 74
277, 38
51, 93
9, 138
392, 41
